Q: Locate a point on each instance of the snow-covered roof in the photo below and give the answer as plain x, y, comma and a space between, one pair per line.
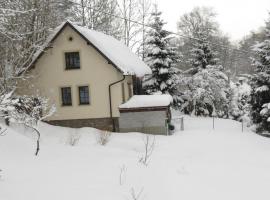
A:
119, 55
145, 101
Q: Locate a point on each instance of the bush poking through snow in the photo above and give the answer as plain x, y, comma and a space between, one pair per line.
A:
74, 138
122, 175
135, 195
149, 145
2, 131
103, 137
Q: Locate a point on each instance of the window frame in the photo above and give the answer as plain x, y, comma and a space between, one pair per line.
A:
68, 67
79, 95
62, 96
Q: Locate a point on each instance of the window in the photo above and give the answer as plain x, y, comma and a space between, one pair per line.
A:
66, 96
84, 95
72, 60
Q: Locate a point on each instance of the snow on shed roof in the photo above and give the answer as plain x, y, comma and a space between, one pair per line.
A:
146, 101
117, 53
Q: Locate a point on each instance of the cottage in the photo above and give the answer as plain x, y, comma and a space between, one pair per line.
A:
86, 75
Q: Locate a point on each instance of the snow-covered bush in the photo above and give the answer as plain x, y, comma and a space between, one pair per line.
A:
207, 92
26, 110
74, 138
240, 107
103, 137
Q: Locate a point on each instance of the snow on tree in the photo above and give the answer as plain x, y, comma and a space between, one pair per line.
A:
206, 87
25, 110
162, 57
239, 106
260, 95
206, 92
202, 55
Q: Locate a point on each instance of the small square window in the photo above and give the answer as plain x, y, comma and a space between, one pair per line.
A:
72, 60
84, 95
66, 96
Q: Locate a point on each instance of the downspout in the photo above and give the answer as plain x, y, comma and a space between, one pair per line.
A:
110, 99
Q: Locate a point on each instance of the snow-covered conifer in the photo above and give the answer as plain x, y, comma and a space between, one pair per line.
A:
260, 95
162, 57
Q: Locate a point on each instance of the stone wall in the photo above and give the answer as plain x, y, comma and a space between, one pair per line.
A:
99, 123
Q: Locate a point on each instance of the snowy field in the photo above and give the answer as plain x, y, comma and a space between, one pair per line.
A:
198, 163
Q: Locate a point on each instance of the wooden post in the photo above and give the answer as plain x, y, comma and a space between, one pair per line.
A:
166, 127
213, 122
242, 125
182, 124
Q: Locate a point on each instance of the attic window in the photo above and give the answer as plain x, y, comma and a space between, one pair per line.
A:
72, 60
70, 38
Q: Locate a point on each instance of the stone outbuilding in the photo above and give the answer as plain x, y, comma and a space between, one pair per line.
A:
146, 113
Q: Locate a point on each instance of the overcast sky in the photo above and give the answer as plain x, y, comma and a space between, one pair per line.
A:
236, 17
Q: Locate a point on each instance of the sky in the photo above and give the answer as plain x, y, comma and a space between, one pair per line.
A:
236, 17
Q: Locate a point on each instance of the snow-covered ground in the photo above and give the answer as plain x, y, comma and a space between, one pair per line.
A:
198, 163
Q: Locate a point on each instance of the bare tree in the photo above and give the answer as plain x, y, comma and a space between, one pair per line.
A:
98, 15
24, 27
149, 145
133, 11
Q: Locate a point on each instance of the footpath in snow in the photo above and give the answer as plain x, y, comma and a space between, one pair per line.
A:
198, 163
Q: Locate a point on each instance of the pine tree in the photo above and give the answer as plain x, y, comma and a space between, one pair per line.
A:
260, 95
202, 55
162, 57
208, 90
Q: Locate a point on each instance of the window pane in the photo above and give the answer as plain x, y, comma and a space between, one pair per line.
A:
72, 60
84, 95
66, 96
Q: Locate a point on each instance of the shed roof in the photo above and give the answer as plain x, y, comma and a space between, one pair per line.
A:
147, 101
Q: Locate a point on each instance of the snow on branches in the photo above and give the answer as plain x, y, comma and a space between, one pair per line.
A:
25, 110
207, 92
162, 57
260, 95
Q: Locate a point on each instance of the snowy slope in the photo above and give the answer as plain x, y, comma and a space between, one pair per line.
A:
198, 163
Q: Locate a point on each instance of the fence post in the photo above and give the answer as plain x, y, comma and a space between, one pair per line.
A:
213, 122
166, 127
242, 125
182, 124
